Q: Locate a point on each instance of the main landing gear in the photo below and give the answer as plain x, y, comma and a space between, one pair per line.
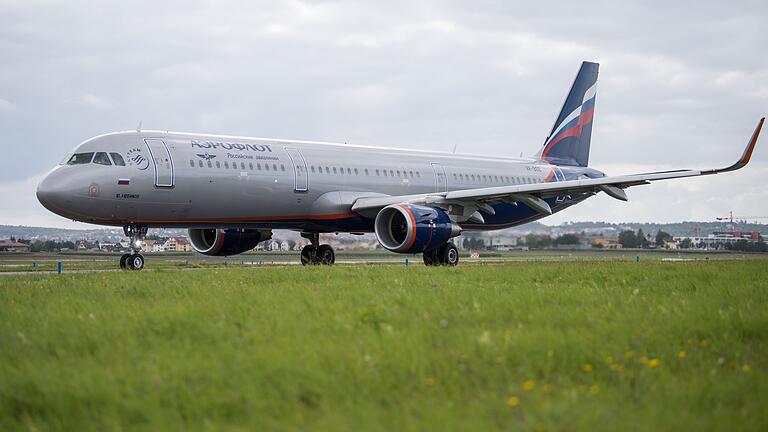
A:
134, 260
446, 254
316, 253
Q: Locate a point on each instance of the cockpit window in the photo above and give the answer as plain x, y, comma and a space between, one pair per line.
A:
101, 158
119, 161
65, 159
80, 158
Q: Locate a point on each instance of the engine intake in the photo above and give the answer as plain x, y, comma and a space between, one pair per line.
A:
408, 228
226, 242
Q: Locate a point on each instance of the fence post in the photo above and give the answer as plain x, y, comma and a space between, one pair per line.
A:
58, 268
406, 262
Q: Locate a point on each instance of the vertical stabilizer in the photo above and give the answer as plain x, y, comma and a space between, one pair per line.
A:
568, 141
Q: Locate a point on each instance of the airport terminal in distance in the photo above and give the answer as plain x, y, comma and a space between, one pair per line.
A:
231, 192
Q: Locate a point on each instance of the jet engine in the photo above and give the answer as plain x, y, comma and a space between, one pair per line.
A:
226, 242
408, 228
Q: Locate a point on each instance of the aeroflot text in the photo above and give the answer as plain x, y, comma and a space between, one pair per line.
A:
231, 146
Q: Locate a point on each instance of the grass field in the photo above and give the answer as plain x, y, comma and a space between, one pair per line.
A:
581, 345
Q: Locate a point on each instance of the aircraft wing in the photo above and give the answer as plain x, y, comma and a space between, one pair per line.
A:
534, 194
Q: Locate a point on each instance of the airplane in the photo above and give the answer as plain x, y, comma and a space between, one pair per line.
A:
230, 192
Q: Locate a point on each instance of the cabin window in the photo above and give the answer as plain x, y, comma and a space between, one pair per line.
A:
366, 171
250, 166
391, 173
334, 170
200, 163
282, 167
218, 164
385, 173
377, 172
418, 174
80, 158
312, 168
266, 167
242, 165
274, 167
355, 171
210, 164
118, 160
191, 163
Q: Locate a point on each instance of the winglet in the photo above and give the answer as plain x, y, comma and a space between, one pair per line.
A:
744, 159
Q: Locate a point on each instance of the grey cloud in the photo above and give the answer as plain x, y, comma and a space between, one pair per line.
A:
681, 81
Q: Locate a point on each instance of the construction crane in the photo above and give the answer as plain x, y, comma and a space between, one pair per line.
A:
743, 219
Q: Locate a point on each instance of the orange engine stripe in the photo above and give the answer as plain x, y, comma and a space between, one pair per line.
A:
413, 223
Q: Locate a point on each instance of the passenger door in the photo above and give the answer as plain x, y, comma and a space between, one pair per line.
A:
300, 177
161, 159
441, 183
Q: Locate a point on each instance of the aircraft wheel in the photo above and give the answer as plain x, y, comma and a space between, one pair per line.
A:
124, 261
308, 255
449, 254
431, 258
326, 255
136, 262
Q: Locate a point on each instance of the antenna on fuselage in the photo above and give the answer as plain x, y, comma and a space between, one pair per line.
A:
138, 127
454, 148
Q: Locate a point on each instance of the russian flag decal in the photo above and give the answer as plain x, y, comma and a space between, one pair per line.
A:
124, 182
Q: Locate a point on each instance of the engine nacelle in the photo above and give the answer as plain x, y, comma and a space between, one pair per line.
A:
226, 242
408, 228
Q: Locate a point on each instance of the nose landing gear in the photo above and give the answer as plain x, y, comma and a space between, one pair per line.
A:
134, 260
316, 253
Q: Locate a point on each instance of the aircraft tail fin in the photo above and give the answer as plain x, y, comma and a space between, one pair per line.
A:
568, 141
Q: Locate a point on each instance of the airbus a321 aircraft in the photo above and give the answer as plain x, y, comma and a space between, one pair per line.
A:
231, 192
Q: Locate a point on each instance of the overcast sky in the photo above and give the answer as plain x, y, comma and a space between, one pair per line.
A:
682, 84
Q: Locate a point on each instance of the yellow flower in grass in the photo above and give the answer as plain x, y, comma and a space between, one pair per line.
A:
617, 367
643, 360
513, 401
653, 363
429, 382
629, 355
595, 389
682, 355
745, 368
587, 368
704, 343
529, 385
499, 360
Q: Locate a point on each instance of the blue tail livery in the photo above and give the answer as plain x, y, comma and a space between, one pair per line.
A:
568, 141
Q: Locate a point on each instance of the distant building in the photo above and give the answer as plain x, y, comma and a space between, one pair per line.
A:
177, 244
13, 246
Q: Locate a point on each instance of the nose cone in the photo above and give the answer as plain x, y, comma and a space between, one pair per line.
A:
47, 193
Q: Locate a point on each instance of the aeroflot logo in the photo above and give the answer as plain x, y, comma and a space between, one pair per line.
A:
206, 156
231, 146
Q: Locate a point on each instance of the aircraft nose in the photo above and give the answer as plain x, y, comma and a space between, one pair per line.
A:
49, 193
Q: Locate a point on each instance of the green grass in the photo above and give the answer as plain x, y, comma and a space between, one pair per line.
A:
563, 346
